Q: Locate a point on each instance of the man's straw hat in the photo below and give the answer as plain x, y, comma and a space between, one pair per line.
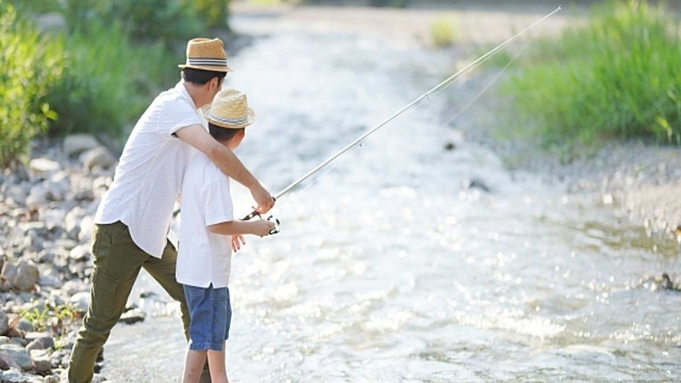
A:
230, 110
206, 54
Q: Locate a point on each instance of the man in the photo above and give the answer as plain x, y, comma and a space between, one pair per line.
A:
133, 218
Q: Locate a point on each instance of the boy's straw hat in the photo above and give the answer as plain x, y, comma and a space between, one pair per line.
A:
206, 54
230, 110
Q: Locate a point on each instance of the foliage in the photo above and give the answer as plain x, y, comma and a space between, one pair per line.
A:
617, 77
53, 318
442, 31
166, 21
30, 64
214, 13
108, 81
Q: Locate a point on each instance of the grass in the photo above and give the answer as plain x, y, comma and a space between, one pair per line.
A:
617, 77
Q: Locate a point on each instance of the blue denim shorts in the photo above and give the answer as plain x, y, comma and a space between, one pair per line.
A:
210, 314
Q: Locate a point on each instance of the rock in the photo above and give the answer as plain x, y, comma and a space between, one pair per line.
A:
72, 222
99, 157
86, 226
38, 195
35, 345
12, 376
51, 379
26, 278
19, 354
80, 302
16, 194
76, 144
24, 325
4, 322
41, 361
80, 253
43, 166
450, 146
7, 362
132, 316
58, 186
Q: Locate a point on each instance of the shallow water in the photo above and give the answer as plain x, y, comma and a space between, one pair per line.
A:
387, 268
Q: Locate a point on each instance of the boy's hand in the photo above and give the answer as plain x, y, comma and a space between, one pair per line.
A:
262, 227
263, 198
237, 242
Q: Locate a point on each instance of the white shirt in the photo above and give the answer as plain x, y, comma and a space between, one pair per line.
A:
148, 178
204, 257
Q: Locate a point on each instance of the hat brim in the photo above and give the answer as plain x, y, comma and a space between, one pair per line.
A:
208, 68
251, 119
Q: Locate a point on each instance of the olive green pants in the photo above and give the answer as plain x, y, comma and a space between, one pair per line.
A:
117, 262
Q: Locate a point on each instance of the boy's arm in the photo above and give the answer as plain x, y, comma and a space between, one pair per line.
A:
258, 227
199, 138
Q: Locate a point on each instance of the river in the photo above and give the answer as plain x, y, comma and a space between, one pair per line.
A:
396, 264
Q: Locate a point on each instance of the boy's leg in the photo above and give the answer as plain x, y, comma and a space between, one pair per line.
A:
117, 261
216, 360
193, 367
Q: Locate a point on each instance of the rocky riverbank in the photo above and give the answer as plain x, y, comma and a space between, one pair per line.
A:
46, 220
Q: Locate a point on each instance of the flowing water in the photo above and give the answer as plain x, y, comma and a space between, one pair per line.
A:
389, 269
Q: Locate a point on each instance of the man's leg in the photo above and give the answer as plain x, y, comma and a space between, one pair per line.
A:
163, 271
117, 262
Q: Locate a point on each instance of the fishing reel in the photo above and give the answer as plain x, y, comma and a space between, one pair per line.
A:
271, 218
275, 230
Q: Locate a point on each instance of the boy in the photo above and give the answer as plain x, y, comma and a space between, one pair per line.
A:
204, 257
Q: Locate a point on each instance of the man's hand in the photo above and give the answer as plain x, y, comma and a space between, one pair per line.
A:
263, 198
262, 227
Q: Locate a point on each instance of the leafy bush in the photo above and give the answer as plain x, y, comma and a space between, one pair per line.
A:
30, 65
108, 81
617, 77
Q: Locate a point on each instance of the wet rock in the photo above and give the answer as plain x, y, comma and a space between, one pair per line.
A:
475, 184
76, 144
133, 316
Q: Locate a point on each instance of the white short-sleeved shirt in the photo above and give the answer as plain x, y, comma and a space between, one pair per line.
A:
148, 178
204, 257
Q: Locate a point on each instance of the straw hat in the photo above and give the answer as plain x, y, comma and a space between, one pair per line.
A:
230, 110
206, 54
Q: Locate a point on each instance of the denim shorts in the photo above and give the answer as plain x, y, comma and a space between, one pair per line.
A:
210, 315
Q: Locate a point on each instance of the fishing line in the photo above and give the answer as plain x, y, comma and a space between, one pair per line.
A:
435, 90
489, 84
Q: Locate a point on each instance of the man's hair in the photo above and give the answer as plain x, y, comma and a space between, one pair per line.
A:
222, 134
201, 77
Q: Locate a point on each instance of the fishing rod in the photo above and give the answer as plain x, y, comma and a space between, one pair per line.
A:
439, 87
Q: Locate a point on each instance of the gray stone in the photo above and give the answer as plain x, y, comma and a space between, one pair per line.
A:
80, 302
26, 278
76, 144
35, 345
80, 253
12, 376
58, 186
38, 195
86, 226
7, 362
43, 166
72, 222
16, 194
51, 379
99, 157
19, 354
4, 323
25, 325
41, 361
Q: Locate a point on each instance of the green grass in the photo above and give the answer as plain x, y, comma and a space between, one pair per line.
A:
617, 77
443, 31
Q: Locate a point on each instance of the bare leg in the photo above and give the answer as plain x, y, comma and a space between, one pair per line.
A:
216, 361
193, 366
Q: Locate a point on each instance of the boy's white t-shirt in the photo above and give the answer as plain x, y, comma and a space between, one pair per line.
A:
148, 177
204, 257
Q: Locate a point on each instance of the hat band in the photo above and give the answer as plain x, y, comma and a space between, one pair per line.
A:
229, 121
206, 62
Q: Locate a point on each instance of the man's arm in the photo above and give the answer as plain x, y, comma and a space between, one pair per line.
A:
227, 162
259, 227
